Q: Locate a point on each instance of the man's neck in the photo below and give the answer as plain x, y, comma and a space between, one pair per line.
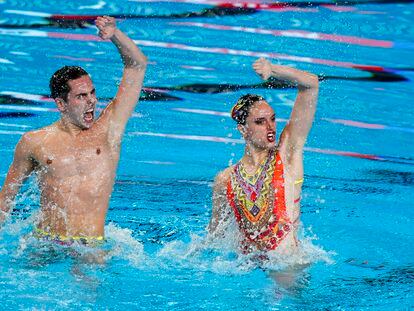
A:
68, 127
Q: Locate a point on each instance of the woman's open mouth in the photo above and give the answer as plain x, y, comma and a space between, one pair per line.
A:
271, 137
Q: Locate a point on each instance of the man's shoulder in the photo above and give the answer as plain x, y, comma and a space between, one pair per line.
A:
34, 137
38, 133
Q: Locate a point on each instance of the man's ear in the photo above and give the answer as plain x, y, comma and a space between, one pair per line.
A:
61, 104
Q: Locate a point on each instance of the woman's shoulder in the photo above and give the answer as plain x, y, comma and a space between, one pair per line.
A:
223, 176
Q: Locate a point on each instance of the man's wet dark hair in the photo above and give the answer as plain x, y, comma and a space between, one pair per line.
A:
59, 87
241, 109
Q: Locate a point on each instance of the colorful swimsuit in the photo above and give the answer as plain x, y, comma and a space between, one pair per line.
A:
259, 206
67, 240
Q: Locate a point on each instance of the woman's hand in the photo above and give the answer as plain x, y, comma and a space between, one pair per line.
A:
263, 68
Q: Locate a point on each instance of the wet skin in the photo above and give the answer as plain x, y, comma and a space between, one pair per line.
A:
76, 176
76, 157
75, 164
259, 133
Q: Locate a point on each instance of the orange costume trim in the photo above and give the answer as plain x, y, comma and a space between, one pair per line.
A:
260, 207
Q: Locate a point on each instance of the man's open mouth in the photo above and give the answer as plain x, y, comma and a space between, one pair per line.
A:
88, 115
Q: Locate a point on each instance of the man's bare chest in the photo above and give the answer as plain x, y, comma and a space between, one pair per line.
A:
60, 158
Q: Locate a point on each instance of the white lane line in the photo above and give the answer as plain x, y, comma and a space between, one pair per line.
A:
25, 96
241, 141
189, 137
5, 61
27, 108
14, 125
97, 6
27, 13
214, 113
23, 32
179, 46
156, 162
233, 141
200, 111
11, 132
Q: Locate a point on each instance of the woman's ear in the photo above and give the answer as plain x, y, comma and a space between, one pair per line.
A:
61, 104
242, 129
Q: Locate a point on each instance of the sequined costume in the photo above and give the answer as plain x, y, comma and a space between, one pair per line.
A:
258, 202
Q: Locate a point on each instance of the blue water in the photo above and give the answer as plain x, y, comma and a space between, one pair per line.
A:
357, 213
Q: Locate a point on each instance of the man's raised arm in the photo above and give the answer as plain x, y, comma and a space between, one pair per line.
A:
301, 118
135, 63
19, 170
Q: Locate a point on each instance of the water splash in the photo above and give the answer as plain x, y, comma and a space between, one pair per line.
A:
221, 255
124, 246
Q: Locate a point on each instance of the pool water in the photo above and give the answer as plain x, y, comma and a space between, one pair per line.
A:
357, 206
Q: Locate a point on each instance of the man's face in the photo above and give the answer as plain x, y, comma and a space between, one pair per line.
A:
80, 102
260, 127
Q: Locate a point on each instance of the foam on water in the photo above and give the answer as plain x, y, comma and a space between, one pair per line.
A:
125, 246
17, 243
204, 252
222, 255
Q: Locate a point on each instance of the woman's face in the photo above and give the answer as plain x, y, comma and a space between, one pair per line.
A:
260, 127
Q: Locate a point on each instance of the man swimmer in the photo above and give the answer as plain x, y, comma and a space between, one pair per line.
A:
262, 191
75, 158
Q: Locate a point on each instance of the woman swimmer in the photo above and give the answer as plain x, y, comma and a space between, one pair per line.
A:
262, 191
